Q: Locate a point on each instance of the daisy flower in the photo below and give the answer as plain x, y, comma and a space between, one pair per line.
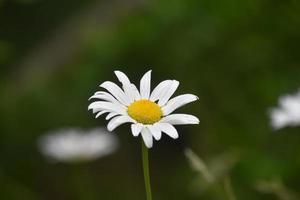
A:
150, 113
287, 113
74, 145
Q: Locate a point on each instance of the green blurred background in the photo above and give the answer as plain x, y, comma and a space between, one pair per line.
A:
237, 56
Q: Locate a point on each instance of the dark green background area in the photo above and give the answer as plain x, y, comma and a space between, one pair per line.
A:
237, 56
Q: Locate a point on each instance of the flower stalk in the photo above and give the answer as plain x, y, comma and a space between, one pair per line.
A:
145, 158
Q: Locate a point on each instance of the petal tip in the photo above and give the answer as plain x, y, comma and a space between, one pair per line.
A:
194, 97
118, 72
149, 146
197, 121
110, 129
148, 72
102, 84
91, 98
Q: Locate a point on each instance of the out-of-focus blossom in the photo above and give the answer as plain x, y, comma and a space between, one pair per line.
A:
287, 113
76, 145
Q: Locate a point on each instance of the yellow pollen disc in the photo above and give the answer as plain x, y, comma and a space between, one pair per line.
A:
145, 111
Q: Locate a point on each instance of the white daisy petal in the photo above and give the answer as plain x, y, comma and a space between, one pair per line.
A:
103, 105
95, 108
122, 77
155, 131
116, 91
169, 130
136, 129
147, 137
159, 90
177, 102
104, 96
107, 97
168, 93
111, 115
135, 92
101, 113
117, 121
126, 84
145, 85
179, 119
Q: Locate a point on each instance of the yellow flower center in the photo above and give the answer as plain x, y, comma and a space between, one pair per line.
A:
145, 111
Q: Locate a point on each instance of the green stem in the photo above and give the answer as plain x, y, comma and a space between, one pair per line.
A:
146, 171
228, 188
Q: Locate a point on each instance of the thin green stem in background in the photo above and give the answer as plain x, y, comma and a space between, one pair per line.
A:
228, 188
146, 171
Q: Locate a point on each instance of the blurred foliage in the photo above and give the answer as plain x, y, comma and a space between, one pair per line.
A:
276, 187
237, 56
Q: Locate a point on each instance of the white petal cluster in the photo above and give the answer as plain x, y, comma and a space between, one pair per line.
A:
115, 102
75, 145
287, 113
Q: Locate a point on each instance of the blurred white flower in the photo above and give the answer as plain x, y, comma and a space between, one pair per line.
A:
288, 112
75, 145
